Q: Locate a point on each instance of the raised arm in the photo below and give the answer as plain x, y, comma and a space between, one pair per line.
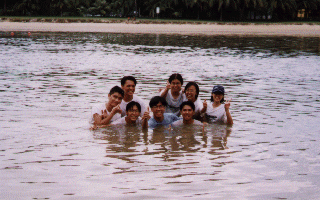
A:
145, 118
203, 110
228, 114
164, 92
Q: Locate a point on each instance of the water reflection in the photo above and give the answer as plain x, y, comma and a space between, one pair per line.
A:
49, 82
122, 141
264, 46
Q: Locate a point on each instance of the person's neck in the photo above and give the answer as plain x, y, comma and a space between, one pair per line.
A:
175, 94
129, 121
192, 100
188, 122
216, 104
109, 107
159, 119
127, 98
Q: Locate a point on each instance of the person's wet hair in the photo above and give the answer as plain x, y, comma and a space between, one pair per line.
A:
132, 104
188, 103
192, 83
126, 78
176, 76
155, 100
117, 89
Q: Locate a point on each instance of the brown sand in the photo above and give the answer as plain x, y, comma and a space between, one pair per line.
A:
184, 29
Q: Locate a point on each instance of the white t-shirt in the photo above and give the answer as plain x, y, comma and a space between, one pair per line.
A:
98, 108
217, 114
180, 122
123, 121
197, 104
173, 104
135, 98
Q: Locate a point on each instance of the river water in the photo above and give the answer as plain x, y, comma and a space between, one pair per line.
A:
49, 81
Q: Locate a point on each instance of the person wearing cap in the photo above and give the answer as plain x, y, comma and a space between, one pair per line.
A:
216, 111
158, 106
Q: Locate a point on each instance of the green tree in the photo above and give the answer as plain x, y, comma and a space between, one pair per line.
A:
28, 7
282, 9
224, 4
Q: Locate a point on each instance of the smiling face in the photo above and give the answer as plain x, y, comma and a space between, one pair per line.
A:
175, 85
129, 88
187, 113
191, 93
158, 111
217, 97
133, 114
115, 99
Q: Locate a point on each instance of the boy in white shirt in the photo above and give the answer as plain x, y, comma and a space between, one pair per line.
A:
128, 84
108, 112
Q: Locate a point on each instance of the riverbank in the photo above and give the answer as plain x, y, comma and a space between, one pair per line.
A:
241, 29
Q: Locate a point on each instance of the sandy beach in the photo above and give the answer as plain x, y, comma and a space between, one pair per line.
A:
184, 29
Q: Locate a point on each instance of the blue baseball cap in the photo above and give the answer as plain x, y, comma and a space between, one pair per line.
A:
218, 89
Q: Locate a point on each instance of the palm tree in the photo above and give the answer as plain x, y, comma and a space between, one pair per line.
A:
223, 4
250, 5
282, 8
28, 7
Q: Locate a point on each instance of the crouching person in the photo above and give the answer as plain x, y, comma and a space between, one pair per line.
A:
105, 113
133, 110
158, 107
187, 110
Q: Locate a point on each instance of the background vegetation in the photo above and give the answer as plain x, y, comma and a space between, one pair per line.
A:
224, 10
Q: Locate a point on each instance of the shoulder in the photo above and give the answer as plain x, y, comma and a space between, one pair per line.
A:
120, 121
178, 122
197, 122
170, 115
137, 99
97, 108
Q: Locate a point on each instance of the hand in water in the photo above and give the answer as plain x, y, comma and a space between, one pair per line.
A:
204, 126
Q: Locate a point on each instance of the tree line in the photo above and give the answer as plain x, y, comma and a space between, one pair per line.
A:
232, 10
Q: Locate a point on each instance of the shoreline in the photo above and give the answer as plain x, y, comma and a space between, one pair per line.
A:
303, 30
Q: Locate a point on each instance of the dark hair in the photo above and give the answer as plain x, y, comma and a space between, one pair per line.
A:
131, 104
192, 83
126, 78
157, 99
176, 76
117, 89
188, 103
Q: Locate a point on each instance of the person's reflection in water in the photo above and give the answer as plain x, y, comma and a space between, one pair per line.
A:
188, 137
220, 133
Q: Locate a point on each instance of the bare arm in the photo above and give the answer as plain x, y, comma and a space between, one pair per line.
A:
229, 118
165, 91
105, 119
203, 111
145, 118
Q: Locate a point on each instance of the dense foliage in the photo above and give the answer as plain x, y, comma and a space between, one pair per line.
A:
236, 10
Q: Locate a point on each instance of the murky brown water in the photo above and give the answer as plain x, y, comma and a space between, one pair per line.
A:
49, 82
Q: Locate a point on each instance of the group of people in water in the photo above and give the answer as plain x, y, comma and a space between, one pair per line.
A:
173, 106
